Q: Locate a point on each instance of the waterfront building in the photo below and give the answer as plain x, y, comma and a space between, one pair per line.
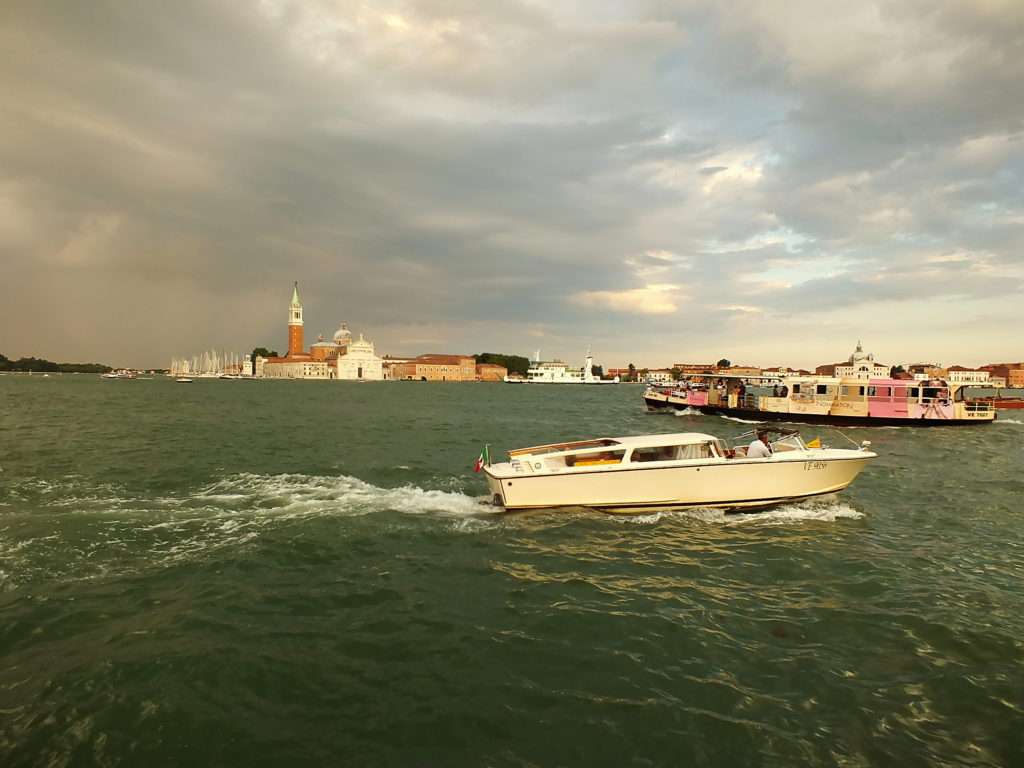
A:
860, 365
491, 372
659, 376
436, 368
781, 371
340, 358
295, 326
958, 374
390, 365
740, 370
1011, 373
292, 368
925, 371
359, 361
687, 369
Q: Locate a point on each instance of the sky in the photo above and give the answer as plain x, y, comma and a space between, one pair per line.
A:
660, 181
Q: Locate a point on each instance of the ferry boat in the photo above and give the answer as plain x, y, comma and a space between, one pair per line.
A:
692, 469
827, 400
557, 372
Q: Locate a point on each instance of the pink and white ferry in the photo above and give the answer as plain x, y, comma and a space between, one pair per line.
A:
826, 400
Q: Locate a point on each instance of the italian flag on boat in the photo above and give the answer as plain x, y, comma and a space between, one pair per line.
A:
483, 460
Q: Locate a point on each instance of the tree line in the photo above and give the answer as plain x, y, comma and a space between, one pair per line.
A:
514, 363
25, 364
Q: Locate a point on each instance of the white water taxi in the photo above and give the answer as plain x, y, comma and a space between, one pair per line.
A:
691, 469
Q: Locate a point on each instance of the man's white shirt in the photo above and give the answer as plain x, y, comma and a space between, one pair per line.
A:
758, 450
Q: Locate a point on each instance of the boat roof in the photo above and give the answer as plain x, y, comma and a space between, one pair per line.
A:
631, 441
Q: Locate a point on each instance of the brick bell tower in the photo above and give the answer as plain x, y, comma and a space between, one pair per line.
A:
295, 347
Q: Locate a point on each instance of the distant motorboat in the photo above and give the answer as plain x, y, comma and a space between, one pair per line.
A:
183, 380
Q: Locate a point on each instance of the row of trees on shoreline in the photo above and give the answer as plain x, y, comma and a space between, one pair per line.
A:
34, 364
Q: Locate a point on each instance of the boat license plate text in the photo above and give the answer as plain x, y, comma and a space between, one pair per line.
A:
809, 465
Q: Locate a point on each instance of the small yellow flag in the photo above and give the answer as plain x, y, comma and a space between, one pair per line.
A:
815, 443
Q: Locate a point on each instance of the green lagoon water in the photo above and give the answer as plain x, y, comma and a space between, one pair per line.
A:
307, 573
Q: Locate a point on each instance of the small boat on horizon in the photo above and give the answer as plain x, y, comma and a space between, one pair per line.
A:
690, 469
183, 380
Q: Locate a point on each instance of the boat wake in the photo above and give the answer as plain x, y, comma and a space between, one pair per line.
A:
827, 510
1009, 421
737, 419
293, 495
687, 411
105, 530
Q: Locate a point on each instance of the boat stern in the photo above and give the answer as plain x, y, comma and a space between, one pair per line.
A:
493, 472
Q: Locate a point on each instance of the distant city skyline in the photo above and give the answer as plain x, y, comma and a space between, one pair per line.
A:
661, 182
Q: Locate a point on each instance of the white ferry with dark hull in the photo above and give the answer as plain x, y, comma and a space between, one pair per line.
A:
558, 372
828, 400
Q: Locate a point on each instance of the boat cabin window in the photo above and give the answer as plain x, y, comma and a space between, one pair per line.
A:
796, 389
673, 452
912, 392
852, 391
822, 389
662, 453
879, 391
602, 458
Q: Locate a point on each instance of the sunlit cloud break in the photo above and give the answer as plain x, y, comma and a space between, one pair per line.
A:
659, 299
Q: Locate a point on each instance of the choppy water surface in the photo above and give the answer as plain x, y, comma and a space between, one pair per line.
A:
307, 573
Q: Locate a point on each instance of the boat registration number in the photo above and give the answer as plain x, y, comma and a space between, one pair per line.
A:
809, 465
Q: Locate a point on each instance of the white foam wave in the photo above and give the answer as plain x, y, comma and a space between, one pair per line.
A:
816, 510
738, 419
687, 411
139, 533
305, 495
1009, 421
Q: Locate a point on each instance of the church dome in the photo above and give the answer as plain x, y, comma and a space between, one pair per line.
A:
343, 336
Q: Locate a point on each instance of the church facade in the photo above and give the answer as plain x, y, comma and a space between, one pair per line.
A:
341, 358
862, 365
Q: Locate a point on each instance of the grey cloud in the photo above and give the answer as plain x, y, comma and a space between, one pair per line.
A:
482, 164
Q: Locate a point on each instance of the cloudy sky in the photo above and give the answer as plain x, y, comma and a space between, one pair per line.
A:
665, 181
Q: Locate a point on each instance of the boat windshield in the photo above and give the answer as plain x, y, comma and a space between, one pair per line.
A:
789, 443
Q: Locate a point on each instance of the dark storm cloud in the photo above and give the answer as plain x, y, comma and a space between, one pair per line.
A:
502, 176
